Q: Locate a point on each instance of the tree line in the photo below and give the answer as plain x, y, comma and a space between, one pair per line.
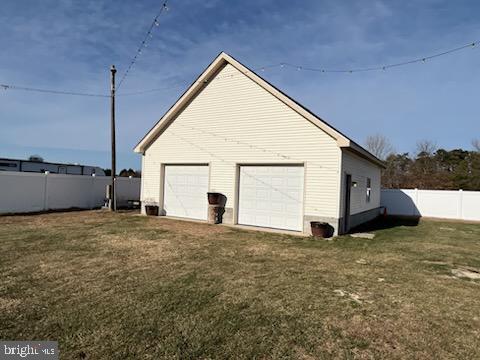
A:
125, 173
428, 167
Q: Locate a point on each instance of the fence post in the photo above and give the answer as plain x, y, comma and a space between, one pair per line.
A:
45, 191
416, 212
92, 193
460, 204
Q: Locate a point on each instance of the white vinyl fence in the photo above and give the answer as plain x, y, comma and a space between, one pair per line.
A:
22, 192
456, 204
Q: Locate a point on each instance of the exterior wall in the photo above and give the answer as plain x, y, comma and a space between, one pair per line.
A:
360, 169
142, 187
39, 167
363, 217
54, 168
234, 121
151, 175
9, 165
22, 192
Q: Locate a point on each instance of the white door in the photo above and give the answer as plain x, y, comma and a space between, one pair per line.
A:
185, 193
271, 196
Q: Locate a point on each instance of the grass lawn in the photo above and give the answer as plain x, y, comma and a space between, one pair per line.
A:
123, 286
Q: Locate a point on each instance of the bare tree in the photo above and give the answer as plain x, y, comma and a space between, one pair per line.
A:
379, 146
476, 144
426, 148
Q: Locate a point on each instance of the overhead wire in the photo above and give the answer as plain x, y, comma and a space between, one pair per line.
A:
141, 92
386, 66
323, 70
49, 91
144, 43
255, 70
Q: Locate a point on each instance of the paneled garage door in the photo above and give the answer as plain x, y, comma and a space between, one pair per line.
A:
271, 196
185, 193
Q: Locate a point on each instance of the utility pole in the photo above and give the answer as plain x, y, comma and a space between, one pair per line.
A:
113, 196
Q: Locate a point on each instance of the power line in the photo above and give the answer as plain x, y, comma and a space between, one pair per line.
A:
48, 91
185, 82
141, 92
144, 42
323, 70
263, 68
383, 67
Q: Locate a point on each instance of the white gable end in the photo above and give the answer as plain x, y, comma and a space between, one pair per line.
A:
235, 121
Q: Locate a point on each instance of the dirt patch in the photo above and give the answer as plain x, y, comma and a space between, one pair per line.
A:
363, 235
434, 262
468, 273
355, 297
361, 262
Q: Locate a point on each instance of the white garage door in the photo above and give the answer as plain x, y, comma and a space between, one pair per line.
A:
185, 192
271, 196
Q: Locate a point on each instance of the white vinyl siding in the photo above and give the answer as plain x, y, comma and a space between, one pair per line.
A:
361, 170
234, 121
271, 196
151, 179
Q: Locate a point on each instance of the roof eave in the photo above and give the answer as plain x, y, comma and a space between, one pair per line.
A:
222, 59
360, 151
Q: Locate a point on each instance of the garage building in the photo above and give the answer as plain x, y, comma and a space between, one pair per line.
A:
277, 164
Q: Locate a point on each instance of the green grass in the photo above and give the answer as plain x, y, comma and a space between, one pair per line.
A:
122, 286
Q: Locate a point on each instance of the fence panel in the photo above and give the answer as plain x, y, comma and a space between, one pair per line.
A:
399, 202
471, 205
22, 192
447, 204
438, 203
127, 189
69, 191
99, 191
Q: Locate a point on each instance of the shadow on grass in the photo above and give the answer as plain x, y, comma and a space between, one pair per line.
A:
388, 222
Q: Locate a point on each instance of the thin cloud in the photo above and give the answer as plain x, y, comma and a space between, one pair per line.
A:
70, 45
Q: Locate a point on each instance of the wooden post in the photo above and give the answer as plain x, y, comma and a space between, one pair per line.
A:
113, 197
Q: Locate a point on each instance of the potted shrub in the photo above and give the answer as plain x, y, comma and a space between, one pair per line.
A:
321, 229
214, 198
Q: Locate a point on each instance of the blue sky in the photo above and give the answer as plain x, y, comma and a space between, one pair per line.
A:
70, 45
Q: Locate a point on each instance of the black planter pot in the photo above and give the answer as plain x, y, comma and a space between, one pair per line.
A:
151, 210
321, 229
214, 198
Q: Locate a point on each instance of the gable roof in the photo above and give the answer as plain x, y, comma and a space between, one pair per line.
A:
211, 71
